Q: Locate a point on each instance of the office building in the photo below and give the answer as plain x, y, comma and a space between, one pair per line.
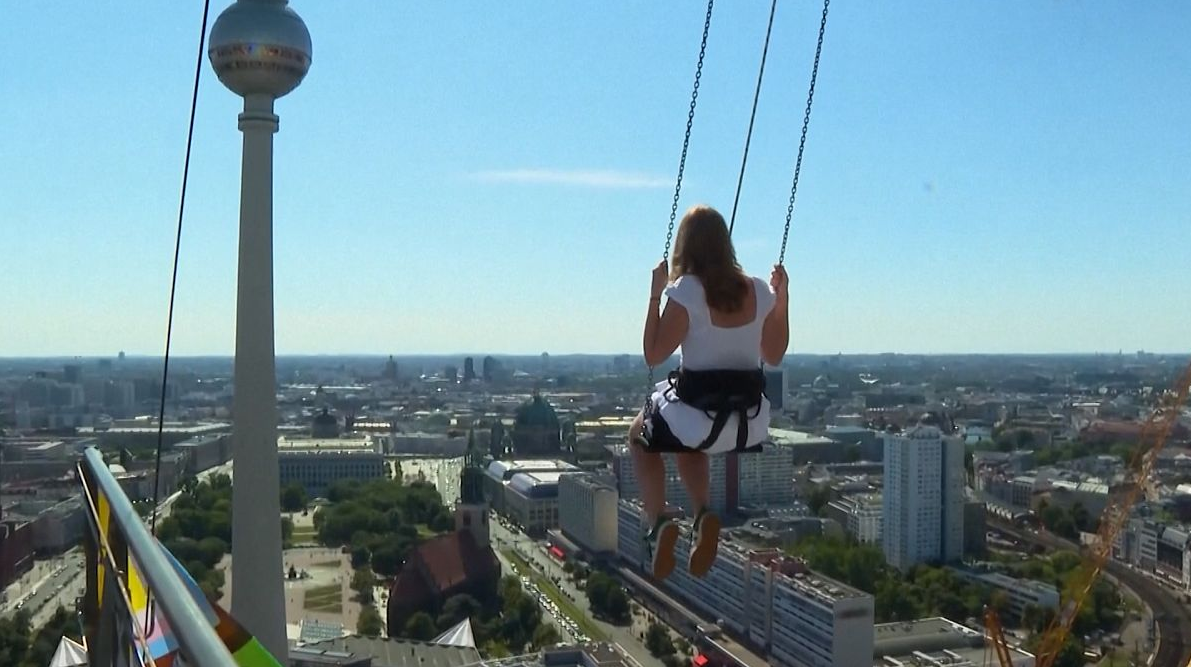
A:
975, 530
808, 448
526, 491
587, 512
801, 618
923, 496
861, 516
765, 477
724, 475
1020, 593
317, 463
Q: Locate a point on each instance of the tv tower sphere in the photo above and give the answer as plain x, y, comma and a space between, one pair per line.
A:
260, 47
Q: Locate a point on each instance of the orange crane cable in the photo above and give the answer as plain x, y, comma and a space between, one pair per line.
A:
1154, 434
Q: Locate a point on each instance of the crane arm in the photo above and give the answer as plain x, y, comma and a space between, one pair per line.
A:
996, 635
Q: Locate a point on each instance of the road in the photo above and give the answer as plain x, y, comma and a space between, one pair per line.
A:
534, 552
1174, 620
59, 587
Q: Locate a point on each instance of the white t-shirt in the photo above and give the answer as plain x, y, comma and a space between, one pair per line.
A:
708, 347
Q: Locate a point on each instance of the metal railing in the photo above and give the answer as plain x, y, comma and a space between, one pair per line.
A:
125, 563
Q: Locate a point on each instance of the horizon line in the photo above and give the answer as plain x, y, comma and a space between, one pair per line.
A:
383, 355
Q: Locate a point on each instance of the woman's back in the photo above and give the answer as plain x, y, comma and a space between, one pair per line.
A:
717, 340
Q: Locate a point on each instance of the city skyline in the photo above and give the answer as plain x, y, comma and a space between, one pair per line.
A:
966, 186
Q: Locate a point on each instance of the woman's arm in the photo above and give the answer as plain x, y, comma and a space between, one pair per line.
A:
663, 333
775, 332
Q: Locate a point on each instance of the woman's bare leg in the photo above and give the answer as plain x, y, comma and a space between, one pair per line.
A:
651, 474
695, 472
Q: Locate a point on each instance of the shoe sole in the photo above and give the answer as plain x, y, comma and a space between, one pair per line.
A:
704, 552
663, 555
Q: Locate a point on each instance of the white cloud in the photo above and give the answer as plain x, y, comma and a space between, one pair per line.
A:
580, 177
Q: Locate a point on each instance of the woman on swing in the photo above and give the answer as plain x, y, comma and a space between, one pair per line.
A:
726, 323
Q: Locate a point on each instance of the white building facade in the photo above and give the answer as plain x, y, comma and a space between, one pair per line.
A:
801, 618
766, 477
676, 495
587, 512
317, 463
923, 498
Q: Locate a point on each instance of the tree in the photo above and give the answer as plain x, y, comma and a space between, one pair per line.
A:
420, 626
545, 635
617, 605
818, 499
287, 530
14, 638
457, 608
387, 561
442, 522
657, 640
360, 555
598, 587
999, 601
362, 582
370, 624
293, 498
45, 642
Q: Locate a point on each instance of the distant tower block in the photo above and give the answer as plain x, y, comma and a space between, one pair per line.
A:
469, 369
260, 49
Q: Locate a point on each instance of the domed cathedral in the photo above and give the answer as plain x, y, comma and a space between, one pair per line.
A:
536, 429
324, 425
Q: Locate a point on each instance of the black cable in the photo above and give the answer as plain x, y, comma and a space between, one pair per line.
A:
748, 138
690, 122
806, 121
169, 325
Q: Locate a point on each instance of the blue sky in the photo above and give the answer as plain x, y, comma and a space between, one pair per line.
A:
985, 177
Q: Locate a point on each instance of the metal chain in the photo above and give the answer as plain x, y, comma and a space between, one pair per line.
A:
806, 120
690, 121
686, 143
748, 137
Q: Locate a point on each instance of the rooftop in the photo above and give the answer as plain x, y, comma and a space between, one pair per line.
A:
504, 470
821, 588
298, 445
388, 652
932, 642
131, 426
781, 436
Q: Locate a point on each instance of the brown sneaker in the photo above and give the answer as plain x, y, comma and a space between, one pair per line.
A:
705, 543
659, 548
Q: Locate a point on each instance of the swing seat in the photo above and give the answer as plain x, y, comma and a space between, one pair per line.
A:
718, 394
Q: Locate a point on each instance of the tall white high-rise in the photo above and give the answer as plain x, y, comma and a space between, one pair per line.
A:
923, 499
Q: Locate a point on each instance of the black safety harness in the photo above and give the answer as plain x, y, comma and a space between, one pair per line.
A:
721, 394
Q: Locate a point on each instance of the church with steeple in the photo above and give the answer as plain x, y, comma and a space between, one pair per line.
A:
471, 512
451, 564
